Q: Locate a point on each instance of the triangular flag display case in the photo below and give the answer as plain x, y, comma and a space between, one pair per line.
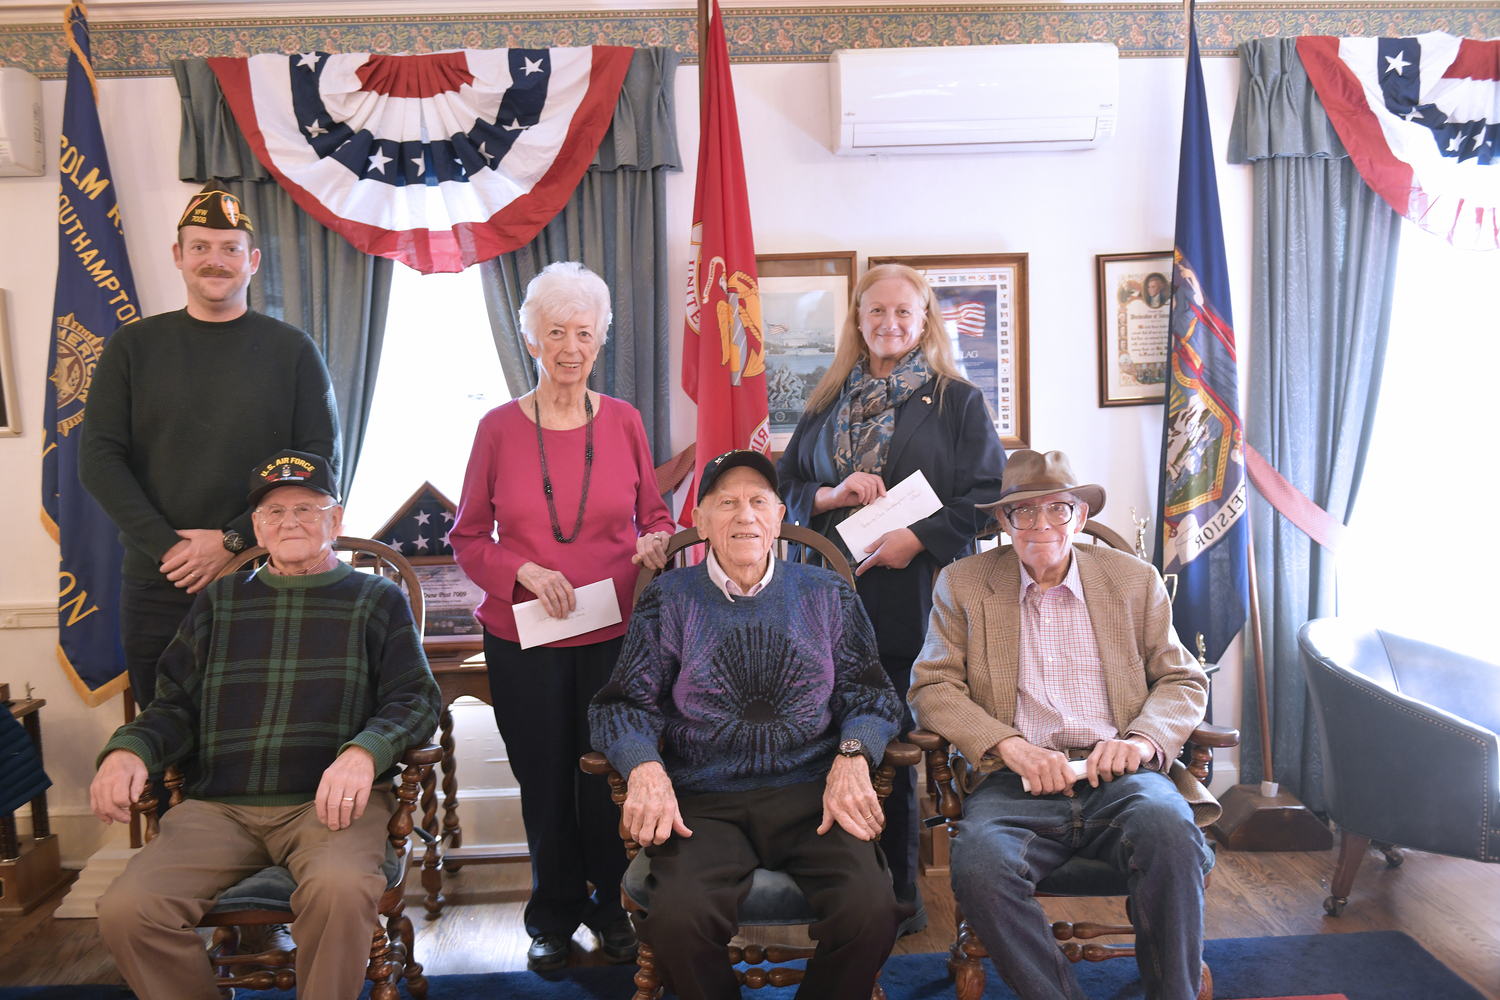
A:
419, 531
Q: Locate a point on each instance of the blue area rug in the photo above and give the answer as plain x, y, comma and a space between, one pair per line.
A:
1381, 965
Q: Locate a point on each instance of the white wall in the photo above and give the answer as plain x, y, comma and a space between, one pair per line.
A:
1060, 208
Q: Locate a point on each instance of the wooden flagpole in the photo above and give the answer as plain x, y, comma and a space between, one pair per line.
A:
703, 21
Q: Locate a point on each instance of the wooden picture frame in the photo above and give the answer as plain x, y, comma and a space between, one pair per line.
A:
1134, 294
803, 300
10, 403
992, 344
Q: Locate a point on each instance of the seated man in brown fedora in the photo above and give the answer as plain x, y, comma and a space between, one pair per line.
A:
1041, 654
287, 697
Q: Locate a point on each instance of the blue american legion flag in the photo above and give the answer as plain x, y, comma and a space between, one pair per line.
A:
95, 296
1201, 494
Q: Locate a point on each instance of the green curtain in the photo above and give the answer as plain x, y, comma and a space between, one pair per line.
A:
615, 225
1323, 262
309, 275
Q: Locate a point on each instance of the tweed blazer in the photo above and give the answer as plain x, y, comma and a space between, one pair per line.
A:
965, 682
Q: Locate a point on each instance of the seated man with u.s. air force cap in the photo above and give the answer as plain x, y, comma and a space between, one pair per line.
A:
287, 698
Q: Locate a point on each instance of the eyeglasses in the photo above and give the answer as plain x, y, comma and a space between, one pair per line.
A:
307, 513
1058, 513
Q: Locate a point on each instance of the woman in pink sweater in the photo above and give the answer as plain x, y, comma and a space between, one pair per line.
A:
560, 492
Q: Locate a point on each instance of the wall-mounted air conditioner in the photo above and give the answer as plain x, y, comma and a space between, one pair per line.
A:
973, 98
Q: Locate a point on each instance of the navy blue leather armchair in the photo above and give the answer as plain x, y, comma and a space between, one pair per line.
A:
1410, 752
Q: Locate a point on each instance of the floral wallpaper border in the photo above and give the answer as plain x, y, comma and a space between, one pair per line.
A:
146, 48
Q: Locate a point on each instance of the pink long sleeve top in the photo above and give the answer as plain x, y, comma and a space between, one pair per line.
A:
503, 522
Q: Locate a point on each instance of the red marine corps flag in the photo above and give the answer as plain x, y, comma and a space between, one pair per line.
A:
723, 357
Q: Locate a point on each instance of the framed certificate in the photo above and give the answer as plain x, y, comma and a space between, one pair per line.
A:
804, 299
1135, 327
10, 403
984, 303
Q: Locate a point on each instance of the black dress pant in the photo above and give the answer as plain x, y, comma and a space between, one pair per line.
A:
151, 611
541, 697
697, 883
901, 837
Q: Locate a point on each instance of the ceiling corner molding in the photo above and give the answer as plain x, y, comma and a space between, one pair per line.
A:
143, 37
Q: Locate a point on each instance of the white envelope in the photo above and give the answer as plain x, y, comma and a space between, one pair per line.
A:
595, 607
904, 504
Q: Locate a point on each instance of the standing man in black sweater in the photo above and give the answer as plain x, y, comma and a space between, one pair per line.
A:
181, 404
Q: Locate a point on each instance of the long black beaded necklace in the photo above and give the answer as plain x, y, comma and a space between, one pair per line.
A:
588, 467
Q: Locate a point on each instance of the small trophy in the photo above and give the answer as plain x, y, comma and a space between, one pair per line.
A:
1140, 535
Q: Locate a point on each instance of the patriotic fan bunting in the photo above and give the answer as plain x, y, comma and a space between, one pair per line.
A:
1420, 117
439, 161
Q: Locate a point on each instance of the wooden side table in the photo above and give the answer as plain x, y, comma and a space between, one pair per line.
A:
30, 867
458, 666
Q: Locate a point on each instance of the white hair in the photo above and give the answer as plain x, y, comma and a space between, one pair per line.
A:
559, 292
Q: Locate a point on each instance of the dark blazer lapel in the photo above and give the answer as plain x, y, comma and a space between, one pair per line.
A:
912, 415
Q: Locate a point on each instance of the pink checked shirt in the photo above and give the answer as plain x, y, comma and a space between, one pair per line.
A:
1062, 703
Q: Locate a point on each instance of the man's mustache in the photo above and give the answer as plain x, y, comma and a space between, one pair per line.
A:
214, 272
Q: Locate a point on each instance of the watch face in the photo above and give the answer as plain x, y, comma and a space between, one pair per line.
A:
234, 541
851, 747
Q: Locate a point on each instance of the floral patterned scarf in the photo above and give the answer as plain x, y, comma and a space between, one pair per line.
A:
857, 436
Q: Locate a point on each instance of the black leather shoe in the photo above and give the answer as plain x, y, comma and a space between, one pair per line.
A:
910, 897
547, 953
617, 941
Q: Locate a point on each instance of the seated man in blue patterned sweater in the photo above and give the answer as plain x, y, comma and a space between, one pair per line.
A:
747, 708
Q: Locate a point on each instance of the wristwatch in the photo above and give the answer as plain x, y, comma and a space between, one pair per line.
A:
233, 540
851, 748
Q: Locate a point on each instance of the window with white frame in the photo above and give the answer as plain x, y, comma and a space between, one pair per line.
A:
439, 374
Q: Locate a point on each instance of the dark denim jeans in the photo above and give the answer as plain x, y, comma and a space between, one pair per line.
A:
1009, 840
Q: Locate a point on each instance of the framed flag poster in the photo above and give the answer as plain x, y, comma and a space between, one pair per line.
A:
804, 300
1135, 316
984, 303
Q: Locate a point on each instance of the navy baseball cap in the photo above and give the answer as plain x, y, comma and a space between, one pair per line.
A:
733, 460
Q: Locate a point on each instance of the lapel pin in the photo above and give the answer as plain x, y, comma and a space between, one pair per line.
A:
927, 400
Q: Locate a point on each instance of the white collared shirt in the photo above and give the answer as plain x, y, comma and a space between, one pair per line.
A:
731, 589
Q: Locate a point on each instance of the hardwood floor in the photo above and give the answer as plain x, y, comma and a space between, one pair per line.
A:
1452, 907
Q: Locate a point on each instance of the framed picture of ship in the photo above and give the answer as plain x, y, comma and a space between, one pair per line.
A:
804, 298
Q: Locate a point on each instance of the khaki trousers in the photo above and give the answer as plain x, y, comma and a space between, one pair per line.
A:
147, 916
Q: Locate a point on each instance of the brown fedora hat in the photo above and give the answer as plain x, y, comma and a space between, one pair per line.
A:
1031, 474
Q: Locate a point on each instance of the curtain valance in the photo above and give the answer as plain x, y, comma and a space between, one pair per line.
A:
439, 160
1418, 116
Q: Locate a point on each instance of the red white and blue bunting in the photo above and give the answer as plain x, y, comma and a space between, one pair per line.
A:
439, 161
1420, 117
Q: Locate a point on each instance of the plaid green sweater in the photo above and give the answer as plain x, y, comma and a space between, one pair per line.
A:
272, 677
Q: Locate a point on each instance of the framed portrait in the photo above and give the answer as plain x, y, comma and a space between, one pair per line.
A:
984, 303
1135, 327
10, 404
804, 298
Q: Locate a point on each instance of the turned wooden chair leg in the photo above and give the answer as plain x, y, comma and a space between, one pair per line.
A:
1352, 849
878, 993
382, 969
964, 963
1206, 985
647, 981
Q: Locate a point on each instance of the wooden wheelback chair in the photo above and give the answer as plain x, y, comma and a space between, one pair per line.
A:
774, 898
265, 898
1076, 877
